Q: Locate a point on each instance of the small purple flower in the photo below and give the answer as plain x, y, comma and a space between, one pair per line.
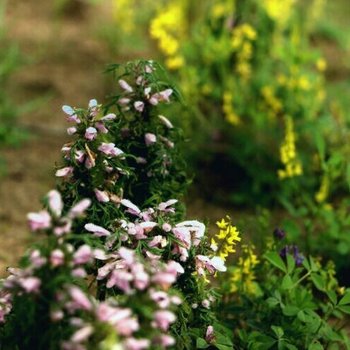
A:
294, 251
279, 233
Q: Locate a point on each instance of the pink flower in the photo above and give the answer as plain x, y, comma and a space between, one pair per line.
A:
82, 334
163, 319
165, 121
55, 202
166, 340
90, 133
57, 258
97, 230
195, 228
101, 128
166, 227
209, 335
102, 196
136, 344
139, 106
72, 117
79, 299
56, 315
124, 101
206, 303
109, 149
36, 259
165, 205
63, 227
124, 85
79, 208
141, 278
39, 221
65, 172
79, 273
30, 284
161, 298
108, 117
132, 208
127, 255
120, 279
83, 255
72, 130
150, 139
79, 156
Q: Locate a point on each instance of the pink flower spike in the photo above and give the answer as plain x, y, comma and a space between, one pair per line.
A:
108, 117
97, 230
30, 284
83, 255
124, 85
79, 208
39, 221
57, 258
72, 130
102, 196
132, 208
139, 106
90, 133
65, 172
150, 139
165, 121
109, 149
101, 128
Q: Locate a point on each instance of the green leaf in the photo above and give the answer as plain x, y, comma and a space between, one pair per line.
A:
332, 296
313, 265
278, 331
345, 299
201, 343
290, 263
287, 282
344, 308
276, 260
318, 281
315, 346
290, 310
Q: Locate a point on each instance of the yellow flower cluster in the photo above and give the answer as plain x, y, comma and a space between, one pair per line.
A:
241, 42
168, 28
279, 10
243, 276
229, 112
226, 239
221, 8
274, 105
124, 14
288, 156
323, 192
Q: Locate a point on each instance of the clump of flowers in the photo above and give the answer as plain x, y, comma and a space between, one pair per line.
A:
119, 265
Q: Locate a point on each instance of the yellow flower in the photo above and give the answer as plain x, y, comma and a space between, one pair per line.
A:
288, 155
321, 64
228, 236
323, 192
